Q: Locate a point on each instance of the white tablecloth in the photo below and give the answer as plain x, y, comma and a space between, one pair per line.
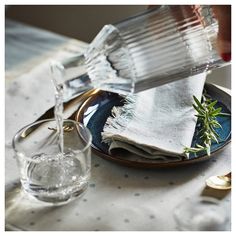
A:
118, 197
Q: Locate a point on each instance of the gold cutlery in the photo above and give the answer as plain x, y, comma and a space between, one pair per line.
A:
221, 182
70, 109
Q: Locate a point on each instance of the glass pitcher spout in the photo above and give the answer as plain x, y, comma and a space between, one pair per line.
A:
72, 74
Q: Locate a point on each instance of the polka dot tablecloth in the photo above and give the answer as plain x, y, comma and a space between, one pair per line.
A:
118, 197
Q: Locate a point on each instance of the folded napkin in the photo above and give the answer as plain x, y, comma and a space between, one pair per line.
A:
157, 123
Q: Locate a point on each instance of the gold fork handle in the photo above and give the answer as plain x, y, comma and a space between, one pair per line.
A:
67, 105
73, 105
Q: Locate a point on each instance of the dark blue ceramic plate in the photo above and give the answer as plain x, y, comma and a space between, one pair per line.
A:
96, 109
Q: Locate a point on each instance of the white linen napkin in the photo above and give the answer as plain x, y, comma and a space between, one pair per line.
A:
157, 123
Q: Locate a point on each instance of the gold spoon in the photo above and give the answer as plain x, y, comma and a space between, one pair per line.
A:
221, 182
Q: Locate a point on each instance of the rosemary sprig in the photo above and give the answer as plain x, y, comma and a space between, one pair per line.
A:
206, 114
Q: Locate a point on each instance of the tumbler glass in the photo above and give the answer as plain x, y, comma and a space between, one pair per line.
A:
202, 214
45, 172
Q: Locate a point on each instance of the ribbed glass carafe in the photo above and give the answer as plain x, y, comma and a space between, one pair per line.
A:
156, 47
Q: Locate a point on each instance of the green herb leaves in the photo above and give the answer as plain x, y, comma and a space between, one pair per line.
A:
206, 114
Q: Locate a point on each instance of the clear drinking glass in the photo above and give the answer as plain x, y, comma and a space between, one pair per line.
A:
45, 172
155, 47
202, 214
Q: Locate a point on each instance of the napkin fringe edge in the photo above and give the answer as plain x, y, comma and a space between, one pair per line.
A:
119, 118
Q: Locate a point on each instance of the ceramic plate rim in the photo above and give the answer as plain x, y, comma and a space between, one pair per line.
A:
136, 164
